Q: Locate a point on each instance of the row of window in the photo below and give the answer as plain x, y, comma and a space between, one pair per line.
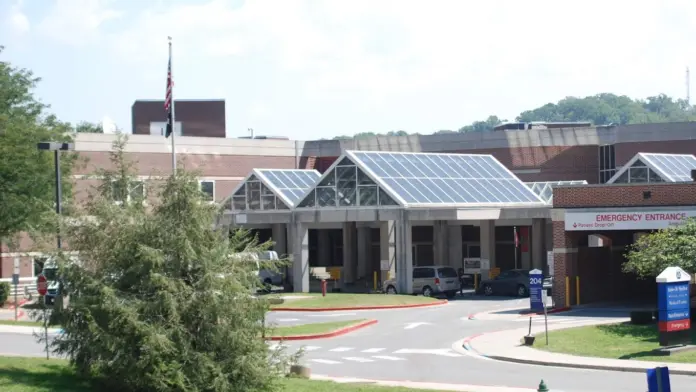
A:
137, 191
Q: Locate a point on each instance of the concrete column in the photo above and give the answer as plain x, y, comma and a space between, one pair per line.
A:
300, 258
387, 249
456, 254
440, 243
538, 244
350, 247
364, 243
404, 256
323, 247
279, 236
487, 244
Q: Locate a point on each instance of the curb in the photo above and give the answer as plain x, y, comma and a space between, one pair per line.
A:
332, 334
419, 384
376, 307
552, 311
630, 369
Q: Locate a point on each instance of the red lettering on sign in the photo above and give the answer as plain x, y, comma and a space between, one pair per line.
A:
618, 217
675, 325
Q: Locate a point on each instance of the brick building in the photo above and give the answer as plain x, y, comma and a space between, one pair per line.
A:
442, 235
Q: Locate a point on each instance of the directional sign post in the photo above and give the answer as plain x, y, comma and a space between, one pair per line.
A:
42, 288
536, 279
673, 302
15, 283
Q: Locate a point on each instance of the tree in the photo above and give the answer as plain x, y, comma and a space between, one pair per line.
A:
674, 247
157, 303
482, 126
87, 127
27, 174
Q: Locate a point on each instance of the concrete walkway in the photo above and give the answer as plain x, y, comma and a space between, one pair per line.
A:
421, 385
507, 346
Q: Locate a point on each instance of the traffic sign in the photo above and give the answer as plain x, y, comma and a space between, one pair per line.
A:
536, 283
42, 284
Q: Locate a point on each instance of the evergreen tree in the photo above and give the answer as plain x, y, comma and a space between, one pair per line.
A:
156, 301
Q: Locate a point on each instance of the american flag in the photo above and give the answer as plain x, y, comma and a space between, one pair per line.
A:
168, 99
517, 239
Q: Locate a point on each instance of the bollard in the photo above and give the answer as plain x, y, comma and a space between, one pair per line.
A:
542, 387
323, 287
374, 281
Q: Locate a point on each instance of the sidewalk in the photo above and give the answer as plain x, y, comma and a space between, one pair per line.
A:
25, 330
421, 385
507, 346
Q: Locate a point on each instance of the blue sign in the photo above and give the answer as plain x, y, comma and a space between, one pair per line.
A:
658, 380
15, 279
536, 284
673, 296
671, 315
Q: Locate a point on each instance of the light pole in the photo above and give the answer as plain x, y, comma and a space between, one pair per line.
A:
57, 147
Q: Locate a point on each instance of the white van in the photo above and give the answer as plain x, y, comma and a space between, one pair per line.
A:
266, 276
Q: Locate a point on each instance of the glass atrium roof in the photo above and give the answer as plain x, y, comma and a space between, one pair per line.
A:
545, 189
272, 189
369, 178
652, 167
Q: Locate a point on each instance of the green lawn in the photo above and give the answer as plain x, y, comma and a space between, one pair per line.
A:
617, 341
314, 328
40, 375
338, 300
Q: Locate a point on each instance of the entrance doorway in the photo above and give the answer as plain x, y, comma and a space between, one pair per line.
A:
422, 254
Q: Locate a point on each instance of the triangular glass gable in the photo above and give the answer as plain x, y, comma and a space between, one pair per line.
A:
347, 186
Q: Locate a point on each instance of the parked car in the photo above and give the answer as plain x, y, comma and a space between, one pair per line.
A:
429, 281
511, 282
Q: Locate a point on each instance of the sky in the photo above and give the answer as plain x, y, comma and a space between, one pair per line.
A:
311, 69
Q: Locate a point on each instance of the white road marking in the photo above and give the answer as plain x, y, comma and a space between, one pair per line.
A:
445, 352
285, 320
373, 350
388, 358
325, 361
341, 349
310, 348
331, 315
358, 359
415, 325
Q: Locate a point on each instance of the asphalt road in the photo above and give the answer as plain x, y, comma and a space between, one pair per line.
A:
417, 345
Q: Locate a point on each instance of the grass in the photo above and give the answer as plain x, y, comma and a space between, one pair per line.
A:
339, 300
39, 375
314, 328
616, 341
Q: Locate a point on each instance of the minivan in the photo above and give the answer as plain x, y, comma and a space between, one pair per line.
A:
430, 280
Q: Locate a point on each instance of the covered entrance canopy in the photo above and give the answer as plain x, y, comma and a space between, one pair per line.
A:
394, 189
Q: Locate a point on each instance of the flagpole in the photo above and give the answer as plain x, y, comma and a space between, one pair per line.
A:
173, 113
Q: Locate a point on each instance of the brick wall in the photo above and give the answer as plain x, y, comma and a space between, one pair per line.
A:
632, 195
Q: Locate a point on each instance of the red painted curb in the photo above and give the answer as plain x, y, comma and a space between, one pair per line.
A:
21, 302
376, 307
559, 310
468, 339
337, 332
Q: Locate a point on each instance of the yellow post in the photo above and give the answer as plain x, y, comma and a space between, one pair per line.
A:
577, 290
475, 281
567, 293
374, 280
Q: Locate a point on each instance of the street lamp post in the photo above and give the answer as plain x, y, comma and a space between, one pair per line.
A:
57, 148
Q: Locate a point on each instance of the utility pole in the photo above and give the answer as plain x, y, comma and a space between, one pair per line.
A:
688, 87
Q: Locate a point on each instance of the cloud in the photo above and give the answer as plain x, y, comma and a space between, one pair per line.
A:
77, 22
17, 21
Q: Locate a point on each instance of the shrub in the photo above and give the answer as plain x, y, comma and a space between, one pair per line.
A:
4, 292
641, 317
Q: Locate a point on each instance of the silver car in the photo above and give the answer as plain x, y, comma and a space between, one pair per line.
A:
429, 281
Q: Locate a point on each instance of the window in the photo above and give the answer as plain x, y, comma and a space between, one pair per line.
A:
607, 163
135, 191
420, 273
446, 273
158, 128
208, 190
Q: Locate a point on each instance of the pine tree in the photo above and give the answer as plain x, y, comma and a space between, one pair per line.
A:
156, 301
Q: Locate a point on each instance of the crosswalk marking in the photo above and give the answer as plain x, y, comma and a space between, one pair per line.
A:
373, 350
341, 349
325, 361
388, 358
358, 359
310, 348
